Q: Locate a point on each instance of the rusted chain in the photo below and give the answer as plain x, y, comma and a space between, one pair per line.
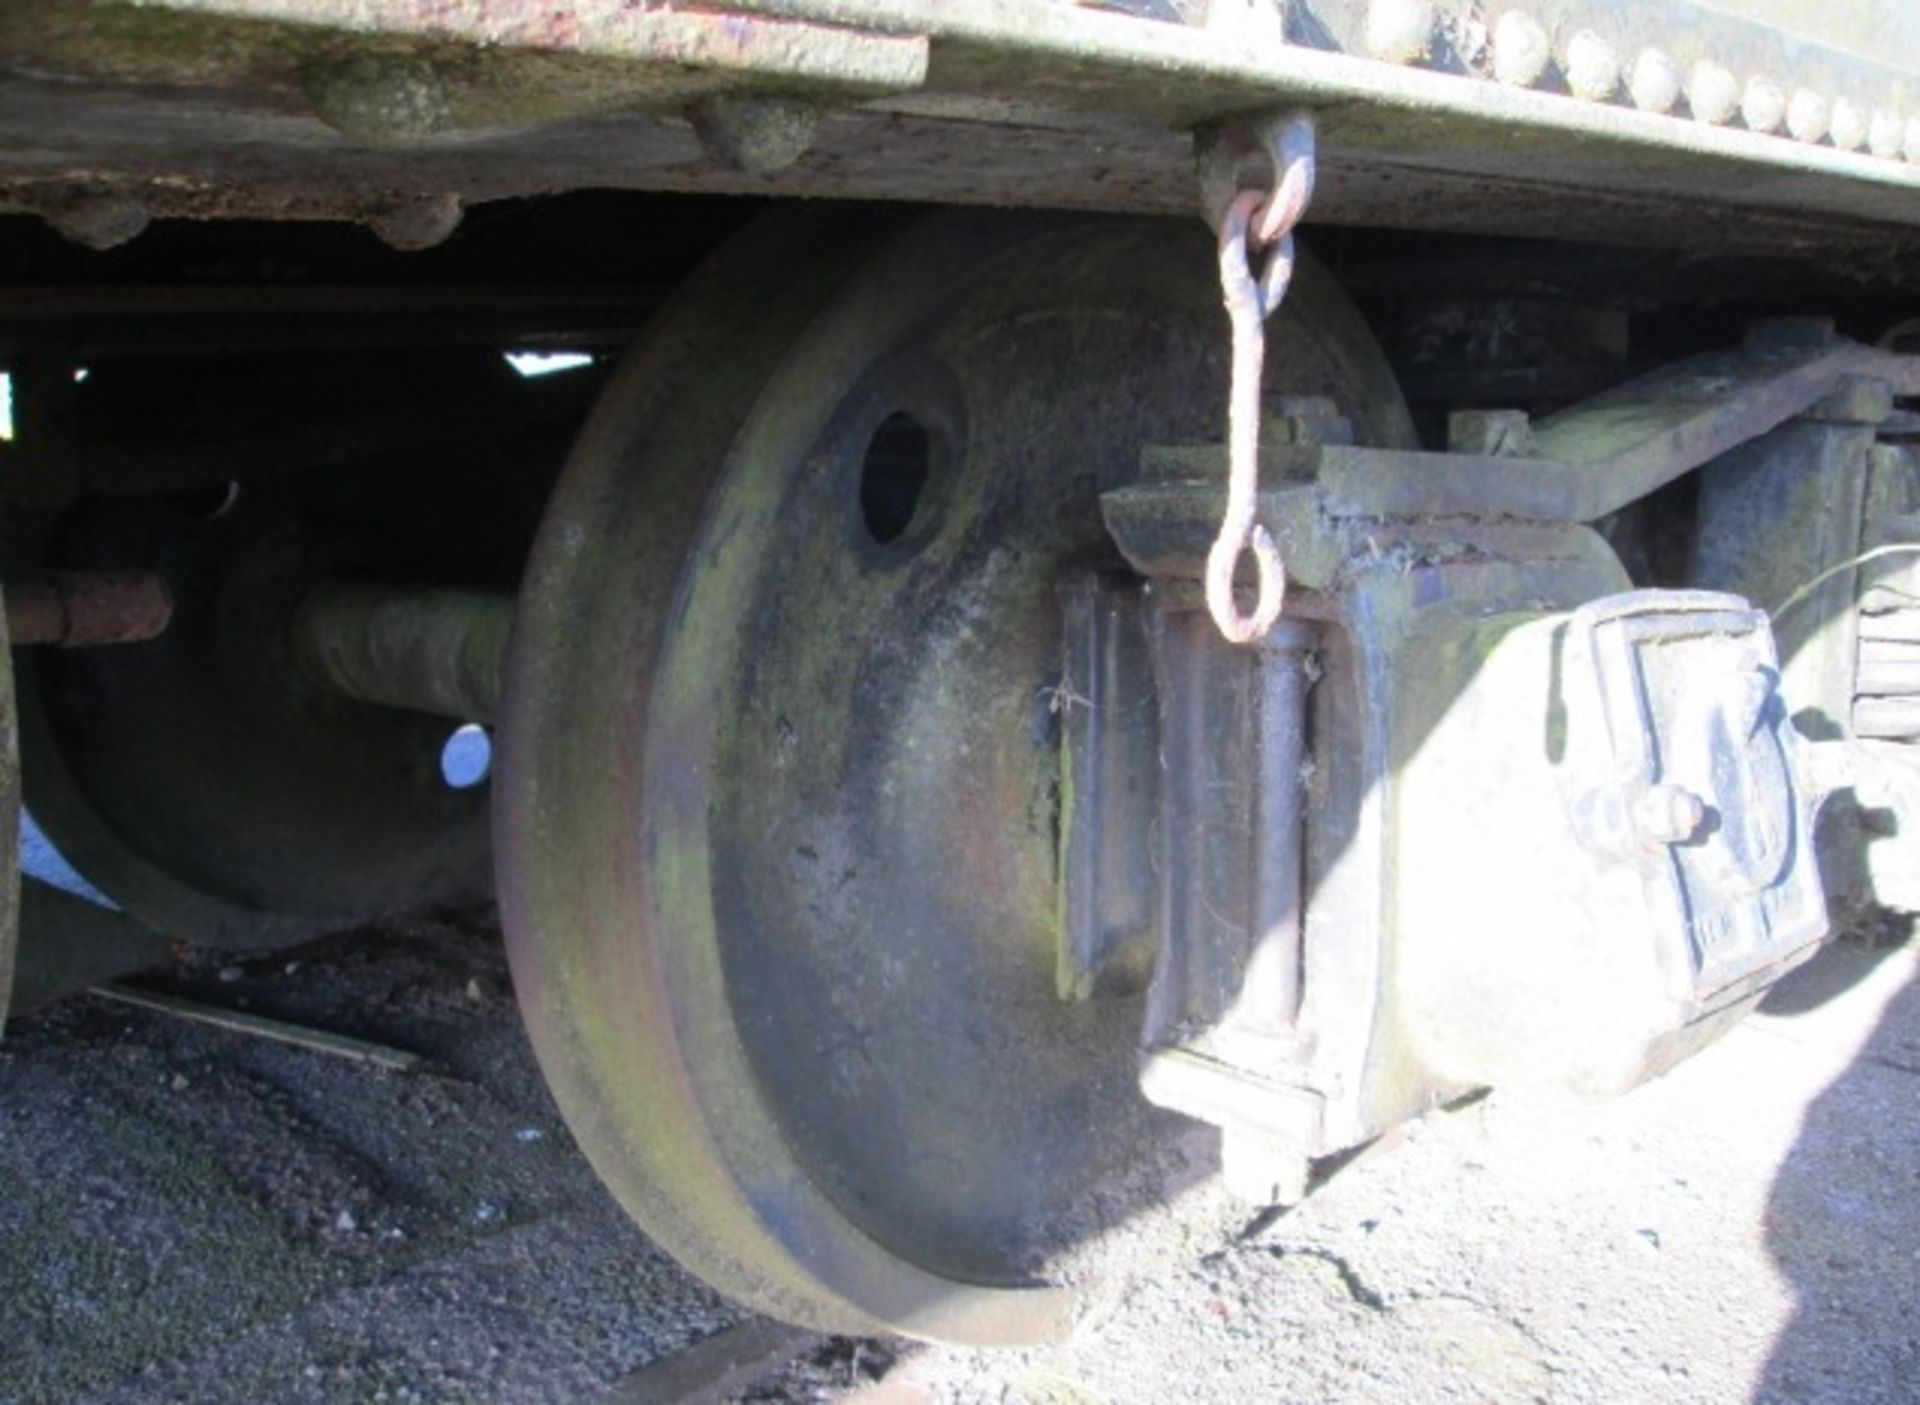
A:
1253, 221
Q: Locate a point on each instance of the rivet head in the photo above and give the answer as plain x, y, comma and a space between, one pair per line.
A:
1712, 92
416, 222
1885, 133
99, 221
758, 135
1848, 125
1654, 82
1399, 31
1592, 70
1521, 50
1806, 115
1763, 106
381, 99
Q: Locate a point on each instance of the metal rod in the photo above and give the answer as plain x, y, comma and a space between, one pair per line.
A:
1271, 988
424, 649
83, 609
715, 1368
319, 1040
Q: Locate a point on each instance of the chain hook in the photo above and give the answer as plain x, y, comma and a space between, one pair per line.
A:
1251, 220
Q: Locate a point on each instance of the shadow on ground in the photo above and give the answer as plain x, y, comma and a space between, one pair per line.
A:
1855, 1333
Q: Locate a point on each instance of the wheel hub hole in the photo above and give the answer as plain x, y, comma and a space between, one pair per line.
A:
893, 475
466, 757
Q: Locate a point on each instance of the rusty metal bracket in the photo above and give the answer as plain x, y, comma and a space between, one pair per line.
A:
997, 88
1618, 447
1440, 588
1582, 464
682, 45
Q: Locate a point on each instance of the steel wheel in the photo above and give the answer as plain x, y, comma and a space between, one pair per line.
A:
780, 774
199, 779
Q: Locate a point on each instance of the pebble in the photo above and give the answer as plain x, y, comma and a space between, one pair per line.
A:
345, 1222
230, 974
529, 1134
179, 1083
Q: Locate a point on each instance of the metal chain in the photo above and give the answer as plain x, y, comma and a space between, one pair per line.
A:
1254, 220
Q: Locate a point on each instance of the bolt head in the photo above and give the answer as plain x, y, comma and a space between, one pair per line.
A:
1655, 82
1668, 814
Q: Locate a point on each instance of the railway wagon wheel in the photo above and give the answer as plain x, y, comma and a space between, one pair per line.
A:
201, 779
779, 789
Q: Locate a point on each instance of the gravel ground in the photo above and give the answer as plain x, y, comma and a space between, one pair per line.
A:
192, 1215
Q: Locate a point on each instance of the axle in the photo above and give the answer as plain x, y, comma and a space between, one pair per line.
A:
421, 648
81, 609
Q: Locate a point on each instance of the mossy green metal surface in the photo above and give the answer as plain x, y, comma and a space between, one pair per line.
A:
272, 106
779, 826
402, 72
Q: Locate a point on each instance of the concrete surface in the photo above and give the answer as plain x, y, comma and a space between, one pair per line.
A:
191, 1215
1746, 1229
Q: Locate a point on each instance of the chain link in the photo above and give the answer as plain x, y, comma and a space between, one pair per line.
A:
1254, 221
